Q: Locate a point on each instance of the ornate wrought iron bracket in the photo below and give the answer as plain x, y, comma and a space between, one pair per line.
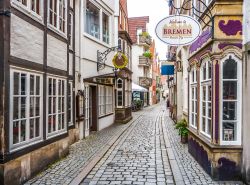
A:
102, 57
5, 12
189, 5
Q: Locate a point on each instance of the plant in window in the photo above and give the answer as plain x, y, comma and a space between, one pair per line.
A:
145, 34
147, 54
182, 129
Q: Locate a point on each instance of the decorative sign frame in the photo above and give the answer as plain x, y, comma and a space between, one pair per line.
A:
178, 30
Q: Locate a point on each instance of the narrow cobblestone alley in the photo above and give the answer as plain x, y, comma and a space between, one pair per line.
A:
145, 151
149, 152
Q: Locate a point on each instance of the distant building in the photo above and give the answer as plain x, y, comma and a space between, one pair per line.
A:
141, 55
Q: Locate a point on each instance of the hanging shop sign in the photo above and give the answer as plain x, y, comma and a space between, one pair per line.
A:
120, 60
178, 30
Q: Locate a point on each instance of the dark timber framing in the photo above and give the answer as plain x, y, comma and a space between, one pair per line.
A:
6, 60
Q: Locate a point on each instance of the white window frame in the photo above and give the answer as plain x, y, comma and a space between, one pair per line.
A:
71, 25
71, 102
57, 131
28, 141
101, 102
109, 27
27, 9
56, 27
109, 99
193, 84
205, 83
239, 101
101, 11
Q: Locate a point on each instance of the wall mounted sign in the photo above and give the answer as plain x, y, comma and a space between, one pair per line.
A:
120, 60
178, 30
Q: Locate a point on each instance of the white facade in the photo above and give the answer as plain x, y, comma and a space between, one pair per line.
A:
89, 40
137, 70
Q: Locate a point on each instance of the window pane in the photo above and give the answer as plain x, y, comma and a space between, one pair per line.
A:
50, 86
229, 110
37, 107
209, 126
203, 108
38, 85
204, 93
50, 122
92, 20
37, 127
209, 70
23, 130
23, 84
230, 69
16, 83
15, 108
32, 83
32, 106
50, 102
105, 26
119, 83
15, 132
32, 128
209, 93
23, 107
209, 114
119, 94
229, 131
204, 71
203, 124
229, 90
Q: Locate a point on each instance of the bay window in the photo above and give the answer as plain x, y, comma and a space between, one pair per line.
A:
206, 98
231, 101
193, 99
56, 106
25, 108
57, 14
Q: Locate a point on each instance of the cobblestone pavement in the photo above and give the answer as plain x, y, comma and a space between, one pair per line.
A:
191, 171
65, 170
150, 152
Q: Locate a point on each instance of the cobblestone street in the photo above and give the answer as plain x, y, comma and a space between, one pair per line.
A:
150, 152
145, 151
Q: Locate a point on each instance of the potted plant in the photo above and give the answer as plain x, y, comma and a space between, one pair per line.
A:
183, 131
147, 54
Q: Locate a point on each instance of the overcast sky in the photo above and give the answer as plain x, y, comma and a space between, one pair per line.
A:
156, 10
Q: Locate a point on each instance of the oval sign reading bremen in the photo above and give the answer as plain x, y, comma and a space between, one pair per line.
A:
178, 30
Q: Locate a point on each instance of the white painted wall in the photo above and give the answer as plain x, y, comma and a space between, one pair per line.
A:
137, 70
185, 78
70, 63
26, 40
246, 22
105, 122
57, 53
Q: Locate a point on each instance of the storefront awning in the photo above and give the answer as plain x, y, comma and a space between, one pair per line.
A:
136, 87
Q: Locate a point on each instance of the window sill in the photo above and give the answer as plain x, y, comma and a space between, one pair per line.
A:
25, 145
27, 12
52, 28
55, 134
103, 116
96, 40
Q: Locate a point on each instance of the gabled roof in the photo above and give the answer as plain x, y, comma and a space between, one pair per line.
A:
135, 23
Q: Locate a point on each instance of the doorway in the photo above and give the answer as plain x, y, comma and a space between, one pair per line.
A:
93, 108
